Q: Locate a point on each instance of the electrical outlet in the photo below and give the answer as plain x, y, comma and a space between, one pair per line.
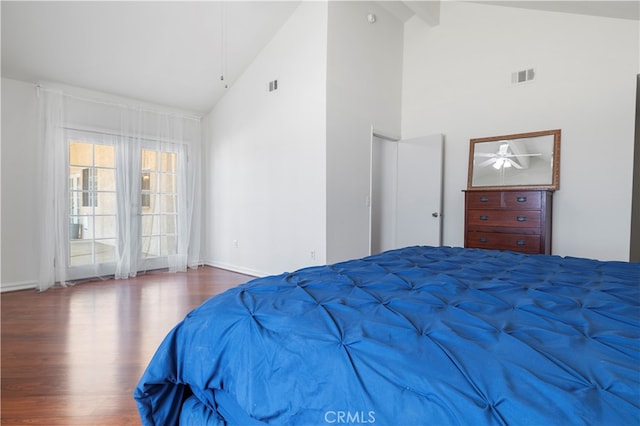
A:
235, 243
312, 254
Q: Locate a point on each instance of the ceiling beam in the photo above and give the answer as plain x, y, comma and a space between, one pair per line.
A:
428, 11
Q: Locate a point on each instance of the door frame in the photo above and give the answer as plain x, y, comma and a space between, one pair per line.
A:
436, 213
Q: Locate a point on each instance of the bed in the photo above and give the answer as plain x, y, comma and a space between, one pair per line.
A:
414, 336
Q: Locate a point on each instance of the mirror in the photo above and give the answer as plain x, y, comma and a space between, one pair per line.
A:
525, 160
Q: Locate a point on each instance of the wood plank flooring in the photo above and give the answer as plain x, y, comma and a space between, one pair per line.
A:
73, 356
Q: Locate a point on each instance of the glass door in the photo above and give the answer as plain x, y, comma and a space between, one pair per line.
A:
92, 207
96, 207
158, 201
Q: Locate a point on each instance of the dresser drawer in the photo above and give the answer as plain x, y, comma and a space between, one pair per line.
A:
512, 200
524, 200
484, 200
503, 241
503, 218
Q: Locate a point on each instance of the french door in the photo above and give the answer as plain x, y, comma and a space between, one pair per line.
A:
100, 233
158, 207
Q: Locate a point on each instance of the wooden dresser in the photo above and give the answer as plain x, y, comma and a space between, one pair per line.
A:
507, 219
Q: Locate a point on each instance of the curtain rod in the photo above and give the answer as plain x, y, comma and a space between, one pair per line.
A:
116, 104
115, 134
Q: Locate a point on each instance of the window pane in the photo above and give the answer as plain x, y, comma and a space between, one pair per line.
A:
75, 229
168, 203
150, 246
75, 201
145, 200
88, 183
104, 156
168, 245
168, 183
169, 224
146, 225
153, 182
106, 203
150, 225
105, 227
75, 177
88, 228
145, 184
151, 201
149, 160
80, 153
168, 162
80, 253
105, 251
105, 179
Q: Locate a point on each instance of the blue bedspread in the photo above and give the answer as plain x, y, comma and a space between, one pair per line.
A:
416, 336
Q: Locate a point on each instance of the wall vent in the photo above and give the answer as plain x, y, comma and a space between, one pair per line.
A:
523, 76
273, 85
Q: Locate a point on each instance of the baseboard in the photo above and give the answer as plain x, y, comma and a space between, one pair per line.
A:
22, 285
235, 268
30, 285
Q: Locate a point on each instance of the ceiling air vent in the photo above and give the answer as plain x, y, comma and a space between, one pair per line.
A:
523, 76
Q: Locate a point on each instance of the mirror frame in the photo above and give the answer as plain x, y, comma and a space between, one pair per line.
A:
555, 182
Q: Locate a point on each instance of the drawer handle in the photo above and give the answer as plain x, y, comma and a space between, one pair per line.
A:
521, 242
521, 199
521, 218
484, 217
484, 240
484, 199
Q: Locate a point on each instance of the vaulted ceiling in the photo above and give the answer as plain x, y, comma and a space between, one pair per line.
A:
168, 53
174, 53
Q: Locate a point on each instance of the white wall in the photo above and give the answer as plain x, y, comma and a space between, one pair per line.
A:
289, 171
457, 81
265, 156
20, 250
364, 74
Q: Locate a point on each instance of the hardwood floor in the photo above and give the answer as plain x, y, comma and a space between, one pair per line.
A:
73, 356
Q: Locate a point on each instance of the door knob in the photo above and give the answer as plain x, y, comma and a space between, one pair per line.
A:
435, 214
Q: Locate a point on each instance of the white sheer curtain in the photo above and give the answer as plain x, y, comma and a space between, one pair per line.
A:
51, 162
159, 231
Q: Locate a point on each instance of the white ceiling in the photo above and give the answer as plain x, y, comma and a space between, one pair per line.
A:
625, 9
169, 53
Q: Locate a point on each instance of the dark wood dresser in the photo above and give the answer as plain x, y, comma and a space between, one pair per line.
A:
508, 219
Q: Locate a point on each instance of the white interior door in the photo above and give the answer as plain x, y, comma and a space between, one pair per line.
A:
406, 192
419, 199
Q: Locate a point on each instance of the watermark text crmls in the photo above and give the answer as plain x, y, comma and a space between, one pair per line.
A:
349, 417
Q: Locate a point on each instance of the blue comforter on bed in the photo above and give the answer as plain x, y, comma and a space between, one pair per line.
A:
415, 336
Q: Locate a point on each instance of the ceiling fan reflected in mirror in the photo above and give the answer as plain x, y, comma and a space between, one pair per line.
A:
506, 156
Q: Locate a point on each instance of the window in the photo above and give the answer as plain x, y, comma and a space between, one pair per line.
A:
94, 202
92, 207
159, 202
